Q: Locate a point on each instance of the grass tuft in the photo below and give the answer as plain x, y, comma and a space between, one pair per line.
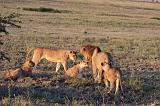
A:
75, 82
135, 83
49, 10
156, 18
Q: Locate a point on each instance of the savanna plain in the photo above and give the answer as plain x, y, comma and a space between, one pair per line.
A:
128, 29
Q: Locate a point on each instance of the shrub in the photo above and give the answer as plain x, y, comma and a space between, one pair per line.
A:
43, 9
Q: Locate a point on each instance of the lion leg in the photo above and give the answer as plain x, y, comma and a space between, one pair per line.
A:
36, 61
65, 66
36, 58
58, 67
117, 86
106, 84
111, 86
94, 72
95, 77
99, 76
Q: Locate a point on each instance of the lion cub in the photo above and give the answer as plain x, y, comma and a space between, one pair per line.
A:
24, 71
113, 76
76, 69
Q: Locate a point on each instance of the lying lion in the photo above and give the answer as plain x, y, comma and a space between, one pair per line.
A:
76, 69
24, 71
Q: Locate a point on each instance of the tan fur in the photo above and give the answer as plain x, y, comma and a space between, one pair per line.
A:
97, 59
24, 71
87, 51
59, 56
12, 74
27, 68
113, 76
76, 69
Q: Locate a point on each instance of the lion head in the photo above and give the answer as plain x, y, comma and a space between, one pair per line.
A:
87, 51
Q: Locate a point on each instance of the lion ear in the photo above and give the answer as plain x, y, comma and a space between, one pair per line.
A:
102, 64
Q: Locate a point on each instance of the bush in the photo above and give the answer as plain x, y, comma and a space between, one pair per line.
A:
43, 9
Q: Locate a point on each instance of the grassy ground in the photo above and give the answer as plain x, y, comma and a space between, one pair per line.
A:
126, 28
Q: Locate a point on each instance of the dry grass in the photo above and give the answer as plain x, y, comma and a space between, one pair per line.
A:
126, 28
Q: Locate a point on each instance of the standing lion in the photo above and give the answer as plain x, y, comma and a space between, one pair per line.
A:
60, 56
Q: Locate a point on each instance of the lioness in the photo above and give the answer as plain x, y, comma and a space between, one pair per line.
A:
97, 59
113, 76
76, 69
60, 56
24, 71
87, 51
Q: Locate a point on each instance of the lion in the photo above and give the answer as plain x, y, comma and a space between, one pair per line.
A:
113, 76
97, 59
76, 69
60, 56
87, 51
24, 71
